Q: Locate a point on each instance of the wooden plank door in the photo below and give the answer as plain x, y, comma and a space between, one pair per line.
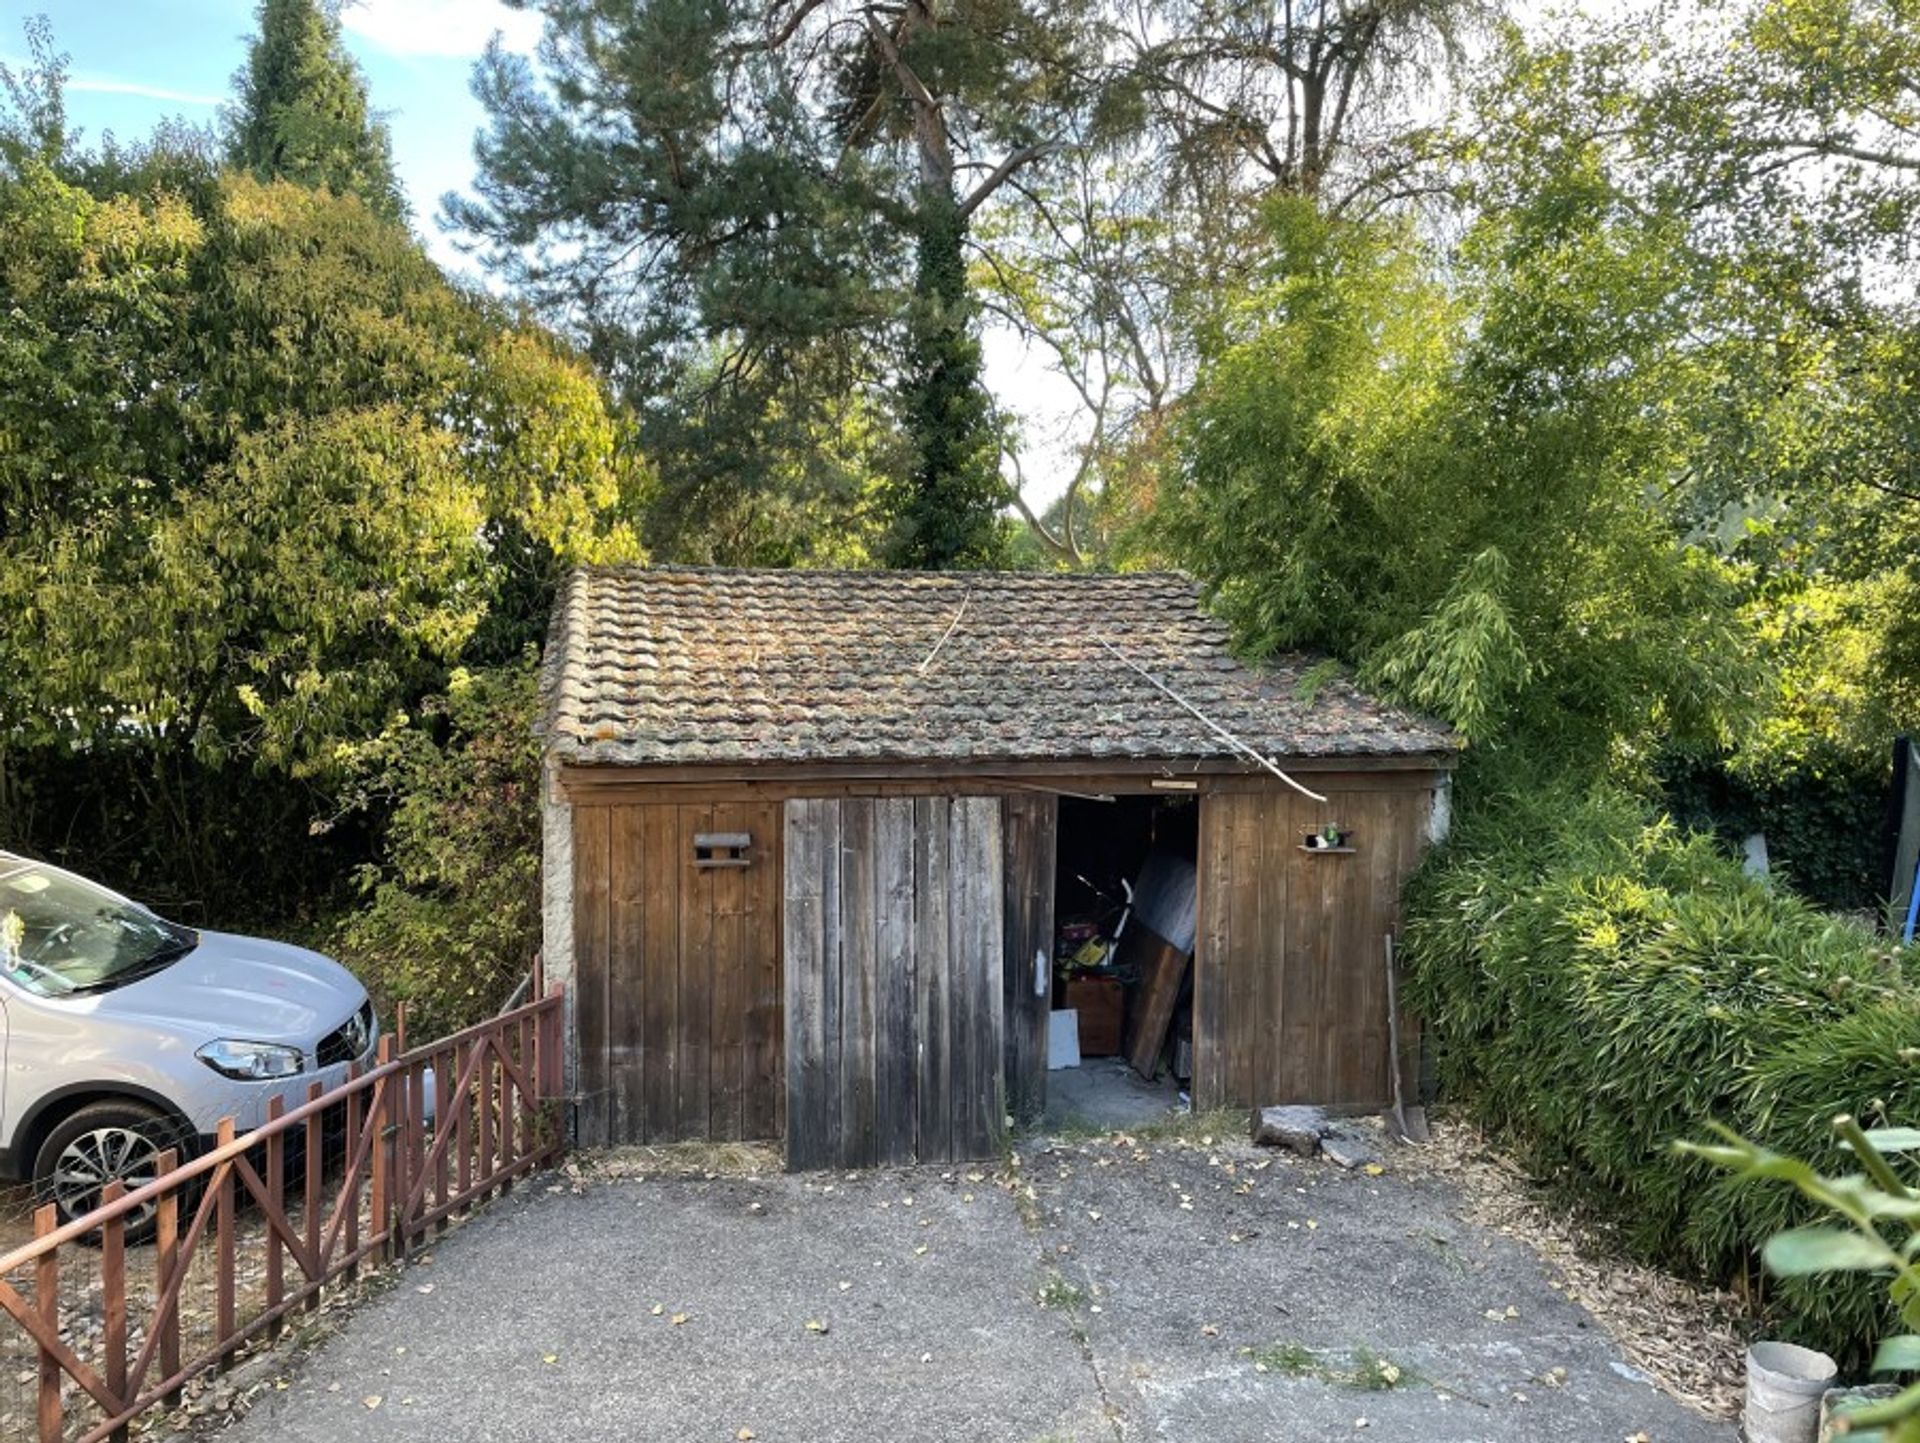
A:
677, 974
1030, 825
1290, 999
893, 937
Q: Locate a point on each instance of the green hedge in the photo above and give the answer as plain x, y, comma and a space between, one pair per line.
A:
1597, 983
450, 921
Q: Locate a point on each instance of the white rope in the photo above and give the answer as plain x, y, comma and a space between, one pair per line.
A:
948, 632
1063, 792
1226, 736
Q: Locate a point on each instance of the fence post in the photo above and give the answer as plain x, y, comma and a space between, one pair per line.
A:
511, 1136
462, 1126
315, 1131
113, 1301
223, 1252
443, 1079
377, 1119
413, 1147
166, 1261
277, 1205
46, 1297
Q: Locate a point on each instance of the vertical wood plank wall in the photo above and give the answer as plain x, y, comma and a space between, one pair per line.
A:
1031, 824
678, 1001
893, 958
872, 970
1290, 992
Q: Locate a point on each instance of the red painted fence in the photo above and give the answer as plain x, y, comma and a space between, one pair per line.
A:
94, 1332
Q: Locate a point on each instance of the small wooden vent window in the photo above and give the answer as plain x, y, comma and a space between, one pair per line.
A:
722, 849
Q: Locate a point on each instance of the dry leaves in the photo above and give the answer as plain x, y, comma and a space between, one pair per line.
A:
1686, 1338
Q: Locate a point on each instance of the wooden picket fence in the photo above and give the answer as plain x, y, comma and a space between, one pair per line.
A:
423, 1135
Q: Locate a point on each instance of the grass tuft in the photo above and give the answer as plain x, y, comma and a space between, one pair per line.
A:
1363, 1369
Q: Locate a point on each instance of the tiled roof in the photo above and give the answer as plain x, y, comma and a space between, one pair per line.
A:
652, 665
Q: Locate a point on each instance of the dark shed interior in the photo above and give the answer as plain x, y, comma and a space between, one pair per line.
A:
1123, 874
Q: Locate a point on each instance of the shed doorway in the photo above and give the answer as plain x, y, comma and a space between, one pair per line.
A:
1120, 1033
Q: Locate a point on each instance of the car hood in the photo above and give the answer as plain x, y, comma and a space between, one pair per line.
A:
246, 988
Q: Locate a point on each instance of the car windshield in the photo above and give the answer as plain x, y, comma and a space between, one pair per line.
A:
60, 935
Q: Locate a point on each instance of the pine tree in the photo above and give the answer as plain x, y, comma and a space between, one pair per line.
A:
302, 114
789, 186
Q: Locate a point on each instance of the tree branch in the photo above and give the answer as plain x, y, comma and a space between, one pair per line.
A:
1840, 149
1002, 172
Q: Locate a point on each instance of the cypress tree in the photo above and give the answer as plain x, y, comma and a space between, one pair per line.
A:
302, 114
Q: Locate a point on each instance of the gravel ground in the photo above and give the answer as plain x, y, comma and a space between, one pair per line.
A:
1112, 1289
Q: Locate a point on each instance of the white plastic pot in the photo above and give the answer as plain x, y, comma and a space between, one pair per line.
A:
1784, 1387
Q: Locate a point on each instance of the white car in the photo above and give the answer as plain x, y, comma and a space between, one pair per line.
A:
123, 1034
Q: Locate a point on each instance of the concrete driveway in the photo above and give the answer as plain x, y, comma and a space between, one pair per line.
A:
1119, 1291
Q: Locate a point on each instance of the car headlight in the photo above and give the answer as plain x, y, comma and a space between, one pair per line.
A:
251, 1061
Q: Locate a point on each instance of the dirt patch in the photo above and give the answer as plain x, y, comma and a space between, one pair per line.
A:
1690, 1339
16, 1216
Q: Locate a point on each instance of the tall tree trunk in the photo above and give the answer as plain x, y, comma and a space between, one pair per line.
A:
949, 516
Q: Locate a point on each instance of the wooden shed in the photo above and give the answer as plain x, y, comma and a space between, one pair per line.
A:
821, 848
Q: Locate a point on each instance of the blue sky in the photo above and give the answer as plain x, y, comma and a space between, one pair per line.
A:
137, 61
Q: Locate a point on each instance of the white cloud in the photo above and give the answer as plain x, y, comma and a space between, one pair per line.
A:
110, 85
439, 27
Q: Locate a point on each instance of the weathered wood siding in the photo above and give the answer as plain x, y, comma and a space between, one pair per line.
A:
893, 943
1031, 822
677, 975
1290, 992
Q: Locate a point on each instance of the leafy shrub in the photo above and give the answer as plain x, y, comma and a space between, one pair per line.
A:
451, 919
1598, 982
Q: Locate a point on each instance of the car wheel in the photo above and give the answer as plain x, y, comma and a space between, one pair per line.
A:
101, 1143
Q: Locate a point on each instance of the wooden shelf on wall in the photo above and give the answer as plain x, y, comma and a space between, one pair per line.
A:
1329, 851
